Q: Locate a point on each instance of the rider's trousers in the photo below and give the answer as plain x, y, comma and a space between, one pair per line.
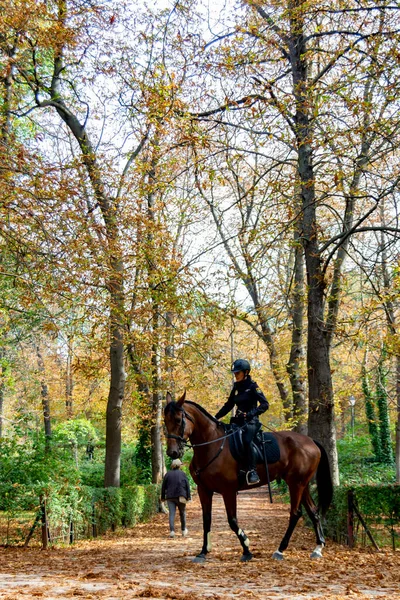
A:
248, 435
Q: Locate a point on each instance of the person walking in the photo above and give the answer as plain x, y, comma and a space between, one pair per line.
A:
175, 490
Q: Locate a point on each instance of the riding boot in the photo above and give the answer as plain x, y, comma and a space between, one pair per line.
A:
252, 476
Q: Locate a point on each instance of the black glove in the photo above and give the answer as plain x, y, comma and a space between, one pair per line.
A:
251, 414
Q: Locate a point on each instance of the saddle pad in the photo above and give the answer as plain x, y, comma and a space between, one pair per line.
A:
270, 443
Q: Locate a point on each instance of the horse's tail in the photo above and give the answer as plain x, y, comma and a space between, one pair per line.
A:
324, 481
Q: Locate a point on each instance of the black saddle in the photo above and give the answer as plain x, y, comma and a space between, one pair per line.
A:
263, 441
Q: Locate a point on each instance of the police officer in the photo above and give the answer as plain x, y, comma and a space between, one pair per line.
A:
250, 402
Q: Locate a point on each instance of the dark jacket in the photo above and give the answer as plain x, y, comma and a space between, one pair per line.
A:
248, 398
175, 484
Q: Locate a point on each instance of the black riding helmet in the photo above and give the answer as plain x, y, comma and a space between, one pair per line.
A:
240, 365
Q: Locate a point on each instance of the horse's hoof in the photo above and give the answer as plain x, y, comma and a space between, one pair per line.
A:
200, 558
277, 555
316, 554
246, 557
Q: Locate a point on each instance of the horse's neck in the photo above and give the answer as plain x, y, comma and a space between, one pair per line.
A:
204, 429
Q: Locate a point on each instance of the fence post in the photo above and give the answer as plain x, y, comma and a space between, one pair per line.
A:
94, 524
45, 532
350, 518
71, 532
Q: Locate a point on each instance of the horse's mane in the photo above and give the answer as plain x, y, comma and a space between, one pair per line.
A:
174, 406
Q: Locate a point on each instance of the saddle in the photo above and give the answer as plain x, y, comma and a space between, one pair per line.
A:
263, 442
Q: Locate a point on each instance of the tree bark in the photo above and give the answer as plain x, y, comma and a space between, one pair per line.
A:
296, 348
44, 392
321, 419
69, 383
2, 389
397, 451
155, 432
7, 80
170, 353
118, 377
156, 297
392, 328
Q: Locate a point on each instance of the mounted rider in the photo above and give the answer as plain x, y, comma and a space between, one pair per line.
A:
250, 403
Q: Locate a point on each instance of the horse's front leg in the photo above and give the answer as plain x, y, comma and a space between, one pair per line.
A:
206, 505
230, 500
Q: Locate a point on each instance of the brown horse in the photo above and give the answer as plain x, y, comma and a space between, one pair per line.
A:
214, 469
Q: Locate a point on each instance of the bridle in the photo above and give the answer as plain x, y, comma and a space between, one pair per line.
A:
183, 442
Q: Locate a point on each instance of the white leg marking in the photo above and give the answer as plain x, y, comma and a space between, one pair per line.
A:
246, 540
208, 542
317, 553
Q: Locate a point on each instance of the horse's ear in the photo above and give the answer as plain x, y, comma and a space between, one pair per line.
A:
182, 399
168, 398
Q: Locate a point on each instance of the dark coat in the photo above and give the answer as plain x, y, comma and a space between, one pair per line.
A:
248, 398
175, 484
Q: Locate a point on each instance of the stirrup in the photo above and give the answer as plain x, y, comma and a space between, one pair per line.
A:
254, 475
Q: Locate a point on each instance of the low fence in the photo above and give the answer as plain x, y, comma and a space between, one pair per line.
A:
38, 516
365, 516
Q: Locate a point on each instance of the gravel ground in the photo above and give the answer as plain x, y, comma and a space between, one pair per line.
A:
145, 563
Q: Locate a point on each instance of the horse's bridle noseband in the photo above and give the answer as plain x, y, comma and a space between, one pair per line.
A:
180, 437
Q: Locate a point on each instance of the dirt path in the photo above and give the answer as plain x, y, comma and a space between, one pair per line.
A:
145, 563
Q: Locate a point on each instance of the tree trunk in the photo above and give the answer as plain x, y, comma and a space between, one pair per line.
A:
156, 445
370, 412
7, 95
296, 348
321, 416
392, 328
69, 384
274, 360
321, 419
156, 296
2, 388
170, 353
383, 411
44, 392
118, 376
398, 419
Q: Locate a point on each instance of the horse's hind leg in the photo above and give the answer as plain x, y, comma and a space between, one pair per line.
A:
230, 500
295, 514
206, 505
312, 512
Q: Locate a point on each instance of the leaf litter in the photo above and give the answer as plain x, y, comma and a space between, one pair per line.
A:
145, 563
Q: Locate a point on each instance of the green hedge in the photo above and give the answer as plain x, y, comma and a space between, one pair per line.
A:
378, 505
81, 511
126, 506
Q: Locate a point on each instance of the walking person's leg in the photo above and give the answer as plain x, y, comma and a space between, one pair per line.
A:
172, 510
182, 514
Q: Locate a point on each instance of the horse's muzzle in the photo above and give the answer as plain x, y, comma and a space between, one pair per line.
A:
173, 454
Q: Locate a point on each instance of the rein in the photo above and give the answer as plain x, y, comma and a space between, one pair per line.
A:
184, 442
